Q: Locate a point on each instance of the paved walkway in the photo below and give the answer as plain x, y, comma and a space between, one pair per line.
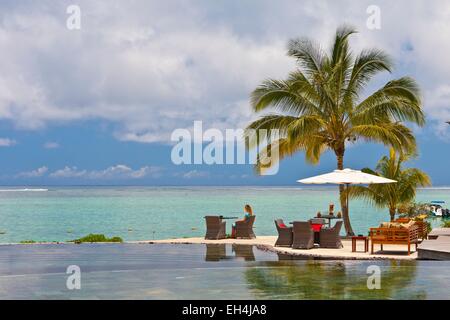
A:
393, 252
439, 232
438, 245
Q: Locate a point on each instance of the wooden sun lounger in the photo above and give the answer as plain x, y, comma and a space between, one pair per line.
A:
422, 225
396, 236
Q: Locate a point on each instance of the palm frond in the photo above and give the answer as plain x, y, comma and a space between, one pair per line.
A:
341, 62
305, 125
367, 64
310, 57
370, 195
283, 96
285, 149
340, 46
390, 134
398, 100
253, 132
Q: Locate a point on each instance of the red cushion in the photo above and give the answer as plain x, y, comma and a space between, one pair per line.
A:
282, 225
316, 226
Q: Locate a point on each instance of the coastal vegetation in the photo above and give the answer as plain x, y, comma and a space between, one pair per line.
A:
413, 209
323, 105
393, 196
91, 238
27, 242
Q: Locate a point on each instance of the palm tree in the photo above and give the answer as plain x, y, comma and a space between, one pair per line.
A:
320, 106
392, 195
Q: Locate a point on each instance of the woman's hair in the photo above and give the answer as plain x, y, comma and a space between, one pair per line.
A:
248, 209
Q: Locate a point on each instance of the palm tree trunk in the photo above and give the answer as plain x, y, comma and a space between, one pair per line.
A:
343, 197
392, 213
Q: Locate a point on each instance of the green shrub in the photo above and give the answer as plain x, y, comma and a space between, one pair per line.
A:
446, 224
27, 241
413, 209
429, 227
97, 238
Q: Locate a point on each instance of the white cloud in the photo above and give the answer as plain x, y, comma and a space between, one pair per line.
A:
143, 138
68, 172
51, 145
6, 142
119, 171
34, 173
195, 174
123, 171
147, 78
150, 68
154, 172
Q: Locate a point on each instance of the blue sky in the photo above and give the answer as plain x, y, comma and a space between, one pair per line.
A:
98, 105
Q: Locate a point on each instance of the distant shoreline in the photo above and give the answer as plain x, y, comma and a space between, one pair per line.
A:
46, 187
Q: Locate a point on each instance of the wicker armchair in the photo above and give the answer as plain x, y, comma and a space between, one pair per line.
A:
330, 238
244, 228
285, 235
303, 235
215, 228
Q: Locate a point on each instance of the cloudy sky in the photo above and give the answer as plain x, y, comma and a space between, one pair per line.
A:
98, 105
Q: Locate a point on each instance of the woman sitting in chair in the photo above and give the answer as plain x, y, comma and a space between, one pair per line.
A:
248, 213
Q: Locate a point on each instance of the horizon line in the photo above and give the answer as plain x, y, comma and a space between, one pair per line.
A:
191, 185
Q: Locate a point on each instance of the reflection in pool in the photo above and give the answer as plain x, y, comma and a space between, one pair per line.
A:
217, 252
140, 271
334, 280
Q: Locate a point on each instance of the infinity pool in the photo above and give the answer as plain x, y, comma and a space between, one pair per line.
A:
164, 271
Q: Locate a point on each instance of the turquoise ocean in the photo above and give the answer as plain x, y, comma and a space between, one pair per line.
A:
146, 213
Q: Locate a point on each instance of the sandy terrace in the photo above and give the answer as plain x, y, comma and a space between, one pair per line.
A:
397, 252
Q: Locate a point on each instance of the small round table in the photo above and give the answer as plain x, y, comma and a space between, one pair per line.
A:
362, 238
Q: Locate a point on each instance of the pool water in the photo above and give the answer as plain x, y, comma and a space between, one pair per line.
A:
164, 271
